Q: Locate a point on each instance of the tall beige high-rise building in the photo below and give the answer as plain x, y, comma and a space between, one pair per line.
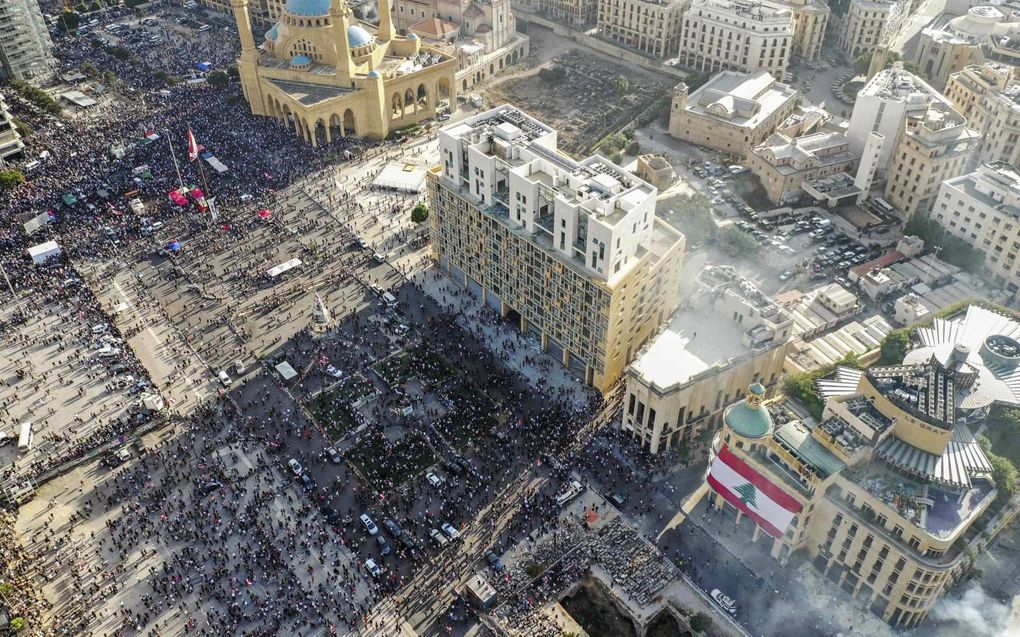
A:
26, 51
987, 95
649, 26
887, 495
570, 250
935, 144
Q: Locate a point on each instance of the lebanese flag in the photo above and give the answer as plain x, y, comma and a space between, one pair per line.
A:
192, 146
749, 491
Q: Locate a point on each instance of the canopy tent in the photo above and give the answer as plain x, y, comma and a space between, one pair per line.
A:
264, 214
38, 221
174, 246
277, 270
69, 199
137, 206
203, 66
151, 135
401, 176
178, 198
44, 251
286, 371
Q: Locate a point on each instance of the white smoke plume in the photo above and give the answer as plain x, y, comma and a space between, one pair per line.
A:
977, 614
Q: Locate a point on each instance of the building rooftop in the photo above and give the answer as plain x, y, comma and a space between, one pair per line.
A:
995, 185
899, 85
741, 99
796, 438
702, 336
792, 155
981, 342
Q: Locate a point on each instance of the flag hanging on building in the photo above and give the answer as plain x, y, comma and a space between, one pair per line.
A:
752, 493
192, 146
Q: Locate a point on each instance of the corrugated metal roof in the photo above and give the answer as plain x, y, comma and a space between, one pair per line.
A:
962, 458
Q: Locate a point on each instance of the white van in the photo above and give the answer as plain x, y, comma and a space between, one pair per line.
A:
389, 299
25, 439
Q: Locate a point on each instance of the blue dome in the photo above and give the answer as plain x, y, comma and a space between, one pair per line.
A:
747, 421
307, 7
373, 73
412, 36
357, 36
273, 32
300, 60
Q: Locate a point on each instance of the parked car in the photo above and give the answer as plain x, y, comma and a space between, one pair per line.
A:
438, 538
384, 546
369, 524
392, 527
494, 561
374, 569
725, 601
334, 455
451, 532
308, 483
433, 479
224, 379
295, 466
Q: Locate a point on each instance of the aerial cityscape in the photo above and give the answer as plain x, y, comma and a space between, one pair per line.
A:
510, 318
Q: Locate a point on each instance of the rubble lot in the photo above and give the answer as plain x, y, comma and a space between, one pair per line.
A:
585, 105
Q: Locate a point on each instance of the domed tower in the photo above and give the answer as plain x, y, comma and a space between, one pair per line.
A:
748, 420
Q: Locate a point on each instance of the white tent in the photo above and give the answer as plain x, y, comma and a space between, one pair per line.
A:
286, 371
216, 164
277, 270
44, 251
401, 176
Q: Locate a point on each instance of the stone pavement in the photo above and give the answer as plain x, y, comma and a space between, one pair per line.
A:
500, 337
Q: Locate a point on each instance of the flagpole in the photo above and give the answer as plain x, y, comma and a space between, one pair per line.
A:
177, 167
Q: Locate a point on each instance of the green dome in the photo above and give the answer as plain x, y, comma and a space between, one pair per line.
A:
757, 389
748, 422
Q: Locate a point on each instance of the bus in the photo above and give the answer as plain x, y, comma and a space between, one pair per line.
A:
25, 439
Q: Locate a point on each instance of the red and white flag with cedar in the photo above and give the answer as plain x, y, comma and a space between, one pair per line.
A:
751, 492
192, 146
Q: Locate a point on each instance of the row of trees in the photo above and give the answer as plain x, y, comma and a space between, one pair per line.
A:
692, 215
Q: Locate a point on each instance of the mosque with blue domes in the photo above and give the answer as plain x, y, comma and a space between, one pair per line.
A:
324, 74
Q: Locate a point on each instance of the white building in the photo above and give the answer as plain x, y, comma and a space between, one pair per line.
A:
983, 209
737, 35
25, 46
990, 100
862, 26
882, 107
649, 26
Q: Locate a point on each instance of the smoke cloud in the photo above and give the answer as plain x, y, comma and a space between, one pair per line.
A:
979, 614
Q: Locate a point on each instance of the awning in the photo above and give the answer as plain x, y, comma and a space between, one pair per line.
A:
276, 271
286, 371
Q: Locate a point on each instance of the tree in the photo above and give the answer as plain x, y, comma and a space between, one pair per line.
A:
17, 623
89, 69
861, 63
633, 148
895, 346
622, 85
735, 242
68, 21
110, 79
420, 213
218, 79
954, 250
700, 622
10, 179
1004, 475
552, 74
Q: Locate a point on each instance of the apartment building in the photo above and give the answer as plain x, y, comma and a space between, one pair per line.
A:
810, 18
861, 27
883, 106
934, 145
727, 335
783, 163
885, 495
26, 51
990, 100
736, 35
732, 112
576, 14
649, 26
983, 209
10, 139
571, 250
